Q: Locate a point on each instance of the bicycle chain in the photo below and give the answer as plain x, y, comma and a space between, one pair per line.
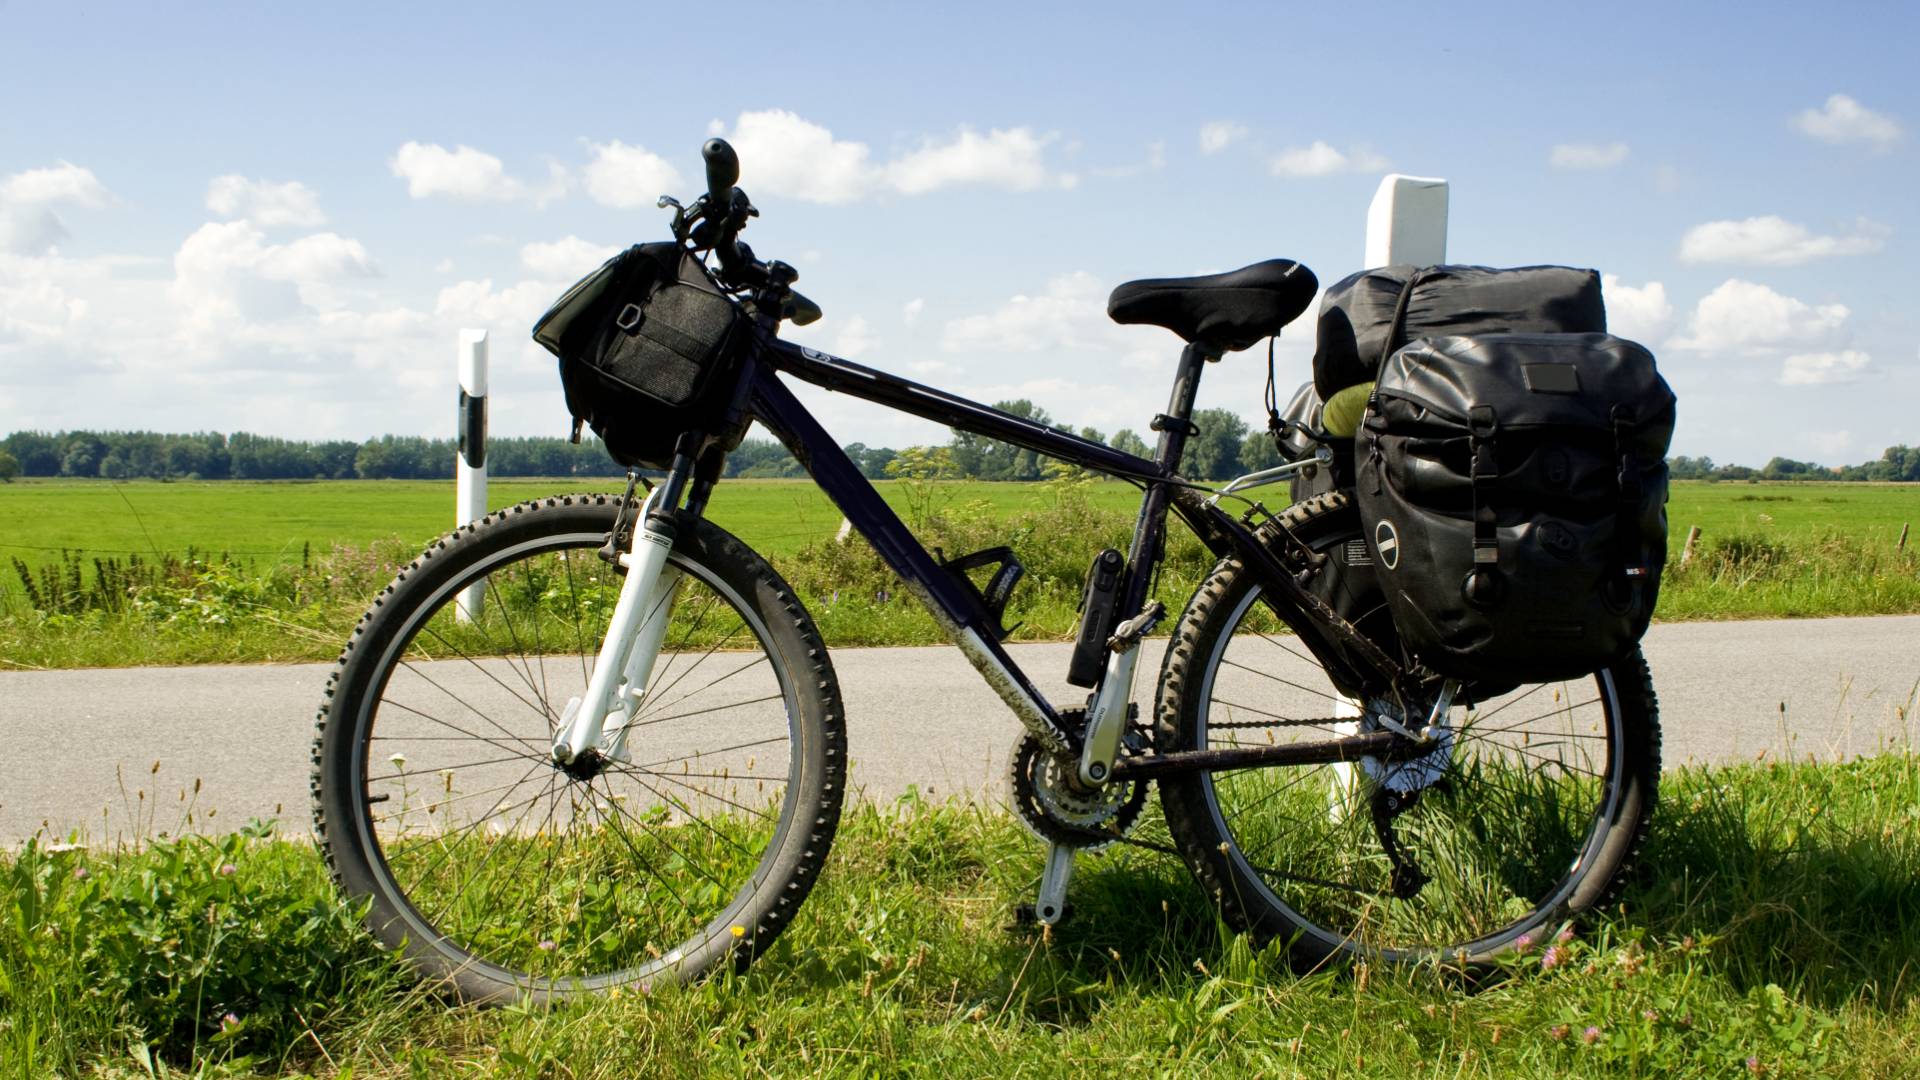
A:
1324, 721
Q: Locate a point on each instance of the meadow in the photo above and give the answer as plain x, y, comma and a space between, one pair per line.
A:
98, 573
1772, 929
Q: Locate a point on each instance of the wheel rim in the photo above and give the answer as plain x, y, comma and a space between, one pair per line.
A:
501, 863
1534, 777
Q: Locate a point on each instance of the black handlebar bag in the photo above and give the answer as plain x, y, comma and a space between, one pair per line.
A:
646, 344
1513, 490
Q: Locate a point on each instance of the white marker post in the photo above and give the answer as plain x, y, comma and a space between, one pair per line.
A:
1407, 222
470, 456
1406, 225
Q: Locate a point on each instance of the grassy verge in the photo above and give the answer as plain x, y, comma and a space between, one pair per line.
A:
211, 608
1772, 930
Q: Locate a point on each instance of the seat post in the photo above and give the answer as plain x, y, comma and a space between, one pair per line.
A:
1186, 382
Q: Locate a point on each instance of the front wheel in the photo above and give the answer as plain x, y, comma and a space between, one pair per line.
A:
505, 875
1526, 818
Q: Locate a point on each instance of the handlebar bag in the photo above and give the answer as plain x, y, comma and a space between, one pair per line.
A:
1513, 489
1365, 317
645, 344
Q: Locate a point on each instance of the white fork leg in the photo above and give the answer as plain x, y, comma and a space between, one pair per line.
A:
636, 679
644, 562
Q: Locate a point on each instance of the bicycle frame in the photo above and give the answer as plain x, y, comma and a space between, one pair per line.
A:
762, 395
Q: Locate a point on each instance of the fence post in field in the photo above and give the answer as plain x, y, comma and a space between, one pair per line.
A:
1902, 545
470, 456
1686, 553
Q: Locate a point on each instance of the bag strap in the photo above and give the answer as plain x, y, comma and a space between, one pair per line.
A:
1399, 324
1626, 529
1483, 587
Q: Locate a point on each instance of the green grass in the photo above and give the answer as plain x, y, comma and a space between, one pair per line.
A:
1773, 929
280, 571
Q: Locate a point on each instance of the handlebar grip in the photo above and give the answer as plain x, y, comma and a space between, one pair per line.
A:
723, 171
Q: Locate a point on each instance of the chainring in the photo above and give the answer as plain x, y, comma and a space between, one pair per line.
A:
1056, 813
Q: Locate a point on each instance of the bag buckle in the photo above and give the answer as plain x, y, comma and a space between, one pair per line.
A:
630, 317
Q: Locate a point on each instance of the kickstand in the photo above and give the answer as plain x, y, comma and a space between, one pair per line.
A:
1051, 906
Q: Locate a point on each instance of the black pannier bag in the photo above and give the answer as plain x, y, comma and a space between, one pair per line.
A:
1513, 490
1358, 328
645, 343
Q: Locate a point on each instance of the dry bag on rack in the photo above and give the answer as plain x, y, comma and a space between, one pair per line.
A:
1513, 490
645, 344
1365, 316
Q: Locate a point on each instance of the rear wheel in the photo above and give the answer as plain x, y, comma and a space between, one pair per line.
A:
1526, 818
505, 875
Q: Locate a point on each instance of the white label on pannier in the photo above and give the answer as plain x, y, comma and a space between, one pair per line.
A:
1387, 543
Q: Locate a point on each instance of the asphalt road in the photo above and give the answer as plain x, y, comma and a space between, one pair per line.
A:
118, 753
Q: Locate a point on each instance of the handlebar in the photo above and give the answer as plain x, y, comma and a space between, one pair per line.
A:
723, 213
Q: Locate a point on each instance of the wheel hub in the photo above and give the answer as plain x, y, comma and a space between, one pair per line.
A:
1414, 774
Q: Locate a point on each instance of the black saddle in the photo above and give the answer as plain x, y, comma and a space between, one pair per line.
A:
1225, 311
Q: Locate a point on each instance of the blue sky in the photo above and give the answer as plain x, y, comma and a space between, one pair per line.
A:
275, 218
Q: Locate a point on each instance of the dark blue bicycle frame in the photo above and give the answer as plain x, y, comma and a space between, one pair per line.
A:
774, 405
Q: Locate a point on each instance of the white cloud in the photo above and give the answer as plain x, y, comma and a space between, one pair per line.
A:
1809, 369
627, 177
855, 337
265, 203
566, 259
1321, 159
1640, 313
63, 183
1587, 156
28, 224
1829, 444
468, 175
228, 279
1844, 120
1217, 135
1059, 318
1741, 315
478, 303
910, 311
784, 154
1012, 160
1774, 241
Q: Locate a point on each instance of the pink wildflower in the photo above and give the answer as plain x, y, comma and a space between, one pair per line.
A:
1590, 1035
1523, 943
1557, 1032
1565, 935
1553, 957
228, 869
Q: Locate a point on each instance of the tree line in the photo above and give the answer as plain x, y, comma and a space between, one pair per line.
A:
1223, 447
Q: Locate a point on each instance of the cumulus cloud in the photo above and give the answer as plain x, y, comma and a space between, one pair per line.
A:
786, 154
1587, 156
464, 174
1744, 316
855, 338
1844, 120
1059, 318
28, 223
1774, 241
1810, 369
1641, 313
228, 278
565, 259
1321, 159
627, 177
910, 311
1217, 135
264, 202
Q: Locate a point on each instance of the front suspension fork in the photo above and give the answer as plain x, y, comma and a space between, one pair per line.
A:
598, 719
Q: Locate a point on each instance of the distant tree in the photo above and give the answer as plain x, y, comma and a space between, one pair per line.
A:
1127, 442
1092, 434
81, 454
1257, 451
9, 467
1214, 454
987, 459
37, 452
